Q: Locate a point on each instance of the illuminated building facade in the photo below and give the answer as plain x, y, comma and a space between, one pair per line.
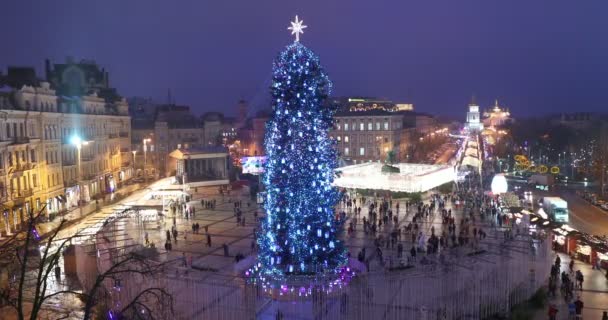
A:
160, 129
496, 116
366, 129
474, 123
40, 166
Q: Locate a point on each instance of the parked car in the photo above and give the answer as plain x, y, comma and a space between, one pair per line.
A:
605, 206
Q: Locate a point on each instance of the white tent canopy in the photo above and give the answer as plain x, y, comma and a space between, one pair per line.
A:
470, 161
411, 178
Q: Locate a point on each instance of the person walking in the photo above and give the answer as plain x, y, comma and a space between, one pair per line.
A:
579, 305
208, 240
580, 279
552, 312
413, 254
571, 310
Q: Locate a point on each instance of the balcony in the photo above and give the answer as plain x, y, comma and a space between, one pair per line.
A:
123, 134
89, 177
112, 136
21, 194
70, 183
22, 140
23, 167
87, 158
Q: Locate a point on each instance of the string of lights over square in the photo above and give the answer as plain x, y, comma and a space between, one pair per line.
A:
299, 233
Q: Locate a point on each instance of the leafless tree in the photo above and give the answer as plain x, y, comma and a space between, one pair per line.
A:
31, 259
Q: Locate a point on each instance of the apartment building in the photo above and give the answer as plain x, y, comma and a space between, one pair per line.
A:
57, 151
364, 136
368, 129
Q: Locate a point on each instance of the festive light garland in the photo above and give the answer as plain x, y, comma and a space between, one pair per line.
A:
298, 237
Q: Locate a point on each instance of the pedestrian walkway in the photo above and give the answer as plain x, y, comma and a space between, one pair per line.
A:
594, 294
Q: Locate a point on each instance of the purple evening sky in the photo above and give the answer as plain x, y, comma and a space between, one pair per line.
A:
535, 56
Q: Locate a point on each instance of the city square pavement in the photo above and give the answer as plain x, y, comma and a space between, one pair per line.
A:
221, 225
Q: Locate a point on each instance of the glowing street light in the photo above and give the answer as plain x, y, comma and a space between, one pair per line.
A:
147, 140
77, 141
133, 166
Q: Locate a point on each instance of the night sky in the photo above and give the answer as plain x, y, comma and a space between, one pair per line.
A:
535, 56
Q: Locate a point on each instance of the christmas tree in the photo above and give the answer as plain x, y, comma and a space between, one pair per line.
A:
299, 233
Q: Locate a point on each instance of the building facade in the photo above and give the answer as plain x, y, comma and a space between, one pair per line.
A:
367, 135
200, 166
473, 123
365, 130
158, 129
496, 116
42, 169
368, 129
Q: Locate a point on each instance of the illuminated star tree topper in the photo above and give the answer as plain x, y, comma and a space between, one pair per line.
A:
297, 27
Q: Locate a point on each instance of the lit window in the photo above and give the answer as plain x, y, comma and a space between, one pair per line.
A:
370, 126
377, 125
339, 126
346, 127
361, 126
345, 151
386, 125
339, 139
361, 151
345, 138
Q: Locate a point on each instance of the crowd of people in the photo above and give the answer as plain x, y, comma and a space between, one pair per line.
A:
393, 225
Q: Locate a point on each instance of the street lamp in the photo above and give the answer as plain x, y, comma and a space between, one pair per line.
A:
148, 140
133, 166
76, 141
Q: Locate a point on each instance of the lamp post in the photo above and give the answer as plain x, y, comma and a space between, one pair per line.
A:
146, 157
133, 166
78, 143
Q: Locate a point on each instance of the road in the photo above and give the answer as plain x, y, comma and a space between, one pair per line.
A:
584, 216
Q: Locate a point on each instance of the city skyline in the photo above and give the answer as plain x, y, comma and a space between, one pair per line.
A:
536, 59
344, 160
